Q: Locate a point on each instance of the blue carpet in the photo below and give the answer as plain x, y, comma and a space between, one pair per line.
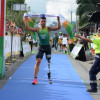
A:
66, 85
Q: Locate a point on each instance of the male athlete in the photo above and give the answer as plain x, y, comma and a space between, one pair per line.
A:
44, 37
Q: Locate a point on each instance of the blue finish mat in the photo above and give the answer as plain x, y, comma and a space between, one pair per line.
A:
67, 84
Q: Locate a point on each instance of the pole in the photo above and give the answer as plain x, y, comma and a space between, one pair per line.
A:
2, 35
11, 32
95, 27
71, 14
76, 24
71, 17
12, 12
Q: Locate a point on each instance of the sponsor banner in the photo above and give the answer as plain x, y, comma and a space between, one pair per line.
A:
76, 50
26, 48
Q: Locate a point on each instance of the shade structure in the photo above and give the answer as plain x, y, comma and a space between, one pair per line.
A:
95, 17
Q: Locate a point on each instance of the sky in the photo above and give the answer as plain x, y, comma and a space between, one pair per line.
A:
53, 7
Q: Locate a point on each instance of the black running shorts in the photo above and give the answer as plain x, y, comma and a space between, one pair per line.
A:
43, 49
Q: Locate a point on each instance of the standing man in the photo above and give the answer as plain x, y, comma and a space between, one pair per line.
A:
64, 43
55, 42
44, 37
34, 42
95, 69
71, 44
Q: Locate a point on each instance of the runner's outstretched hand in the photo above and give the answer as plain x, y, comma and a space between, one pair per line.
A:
58, 18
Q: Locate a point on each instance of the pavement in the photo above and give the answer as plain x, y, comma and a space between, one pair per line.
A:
81, 67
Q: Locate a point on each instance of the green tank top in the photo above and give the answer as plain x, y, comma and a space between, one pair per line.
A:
44, 36
96, 42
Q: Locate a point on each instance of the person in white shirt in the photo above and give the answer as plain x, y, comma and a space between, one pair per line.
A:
64, 42
28, 38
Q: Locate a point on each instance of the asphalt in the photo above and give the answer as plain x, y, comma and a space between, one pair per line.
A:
81, 67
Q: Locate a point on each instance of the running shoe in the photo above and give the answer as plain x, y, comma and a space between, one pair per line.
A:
35, 81
91, 90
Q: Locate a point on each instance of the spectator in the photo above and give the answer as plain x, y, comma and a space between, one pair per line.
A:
56, 42
64, 43
60, 41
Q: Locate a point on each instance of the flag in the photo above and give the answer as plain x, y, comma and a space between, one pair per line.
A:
68, 26
31, 24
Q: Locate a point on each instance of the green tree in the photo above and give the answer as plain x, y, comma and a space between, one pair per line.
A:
85, 9
17, 15
8, 7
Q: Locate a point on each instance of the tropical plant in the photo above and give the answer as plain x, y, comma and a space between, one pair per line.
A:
85, 9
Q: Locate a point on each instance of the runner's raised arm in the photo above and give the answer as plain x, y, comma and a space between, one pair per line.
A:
27, 26
57, 27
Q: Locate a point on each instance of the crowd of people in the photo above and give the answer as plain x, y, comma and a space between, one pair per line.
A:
13, 29
60, 41
63, 41
66, 44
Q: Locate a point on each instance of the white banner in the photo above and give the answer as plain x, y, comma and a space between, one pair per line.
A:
76, 50
16, 45
7, 46
26, 48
